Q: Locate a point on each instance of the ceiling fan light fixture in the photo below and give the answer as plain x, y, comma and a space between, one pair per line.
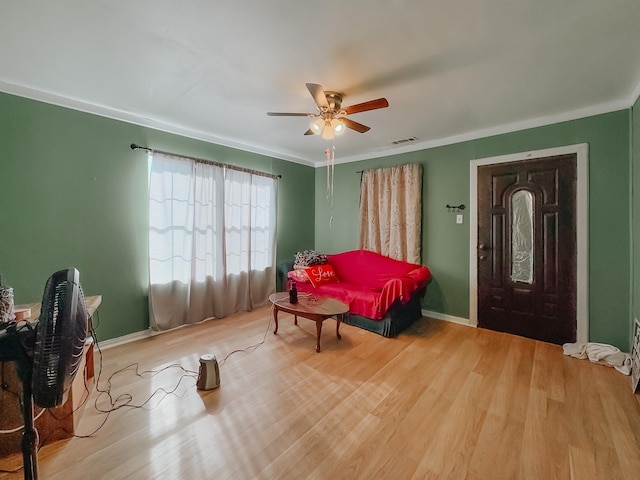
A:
317, 126
327, 132
338, 127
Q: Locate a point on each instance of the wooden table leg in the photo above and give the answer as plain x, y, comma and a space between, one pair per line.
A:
338, 319
319, 332
295, 319
275, 318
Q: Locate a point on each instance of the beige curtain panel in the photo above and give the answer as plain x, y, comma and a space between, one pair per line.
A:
212, 240
391, 211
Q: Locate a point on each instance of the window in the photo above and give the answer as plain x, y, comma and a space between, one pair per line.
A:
212, 239
522, 236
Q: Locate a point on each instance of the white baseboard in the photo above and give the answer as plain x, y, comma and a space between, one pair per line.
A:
446, 318
132, 337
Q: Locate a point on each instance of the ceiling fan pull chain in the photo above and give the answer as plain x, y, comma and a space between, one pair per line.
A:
327, 154
333, 166
330, 154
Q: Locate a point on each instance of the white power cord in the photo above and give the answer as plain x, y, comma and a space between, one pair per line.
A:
17, 429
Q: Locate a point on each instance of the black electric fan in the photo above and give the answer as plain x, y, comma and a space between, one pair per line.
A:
50, 355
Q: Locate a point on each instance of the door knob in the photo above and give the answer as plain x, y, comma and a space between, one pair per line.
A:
482, 246
482, 257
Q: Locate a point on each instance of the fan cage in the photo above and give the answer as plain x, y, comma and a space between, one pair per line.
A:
60, 338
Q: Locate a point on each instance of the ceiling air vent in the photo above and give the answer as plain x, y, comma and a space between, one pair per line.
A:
405, 140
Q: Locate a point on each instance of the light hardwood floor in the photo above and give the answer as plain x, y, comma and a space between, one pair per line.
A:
440, 401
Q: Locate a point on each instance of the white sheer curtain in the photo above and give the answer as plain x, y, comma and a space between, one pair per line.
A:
391, 211
212, 240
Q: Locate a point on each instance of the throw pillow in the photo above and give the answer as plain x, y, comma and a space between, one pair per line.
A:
299, 276
308, 258
320, 274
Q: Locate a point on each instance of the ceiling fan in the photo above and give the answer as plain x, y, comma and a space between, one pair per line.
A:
330, 120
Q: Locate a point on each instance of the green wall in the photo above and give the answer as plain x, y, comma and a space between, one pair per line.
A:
635, 209
74, 194
445, 247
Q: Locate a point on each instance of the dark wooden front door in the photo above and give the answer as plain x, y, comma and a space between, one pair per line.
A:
527, 248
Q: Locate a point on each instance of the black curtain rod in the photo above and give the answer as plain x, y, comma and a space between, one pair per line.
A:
380, 168
208, 162
135, 146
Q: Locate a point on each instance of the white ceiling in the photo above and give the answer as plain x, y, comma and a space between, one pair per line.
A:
451, 69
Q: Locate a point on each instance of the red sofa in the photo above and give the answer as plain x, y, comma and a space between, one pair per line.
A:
383, 294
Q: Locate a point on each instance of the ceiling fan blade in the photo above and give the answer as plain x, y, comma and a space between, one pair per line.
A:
317, 92
283, 114
370, 105
358, 127
309, 132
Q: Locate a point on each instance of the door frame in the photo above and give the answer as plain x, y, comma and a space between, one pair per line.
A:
582, 228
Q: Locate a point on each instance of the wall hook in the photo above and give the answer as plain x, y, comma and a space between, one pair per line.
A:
455, 208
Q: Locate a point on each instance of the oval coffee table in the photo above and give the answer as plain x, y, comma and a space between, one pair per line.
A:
312, 307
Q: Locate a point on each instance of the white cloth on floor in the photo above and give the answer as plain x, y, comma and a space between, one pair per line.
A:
600, 353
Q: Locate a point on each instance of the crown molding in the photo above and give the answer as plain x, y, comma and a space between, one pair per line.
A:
493, 131
135, 119
129, 117
634, 96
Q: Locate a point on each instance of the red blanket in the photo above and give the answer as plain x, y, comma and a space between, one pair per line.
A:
369, 282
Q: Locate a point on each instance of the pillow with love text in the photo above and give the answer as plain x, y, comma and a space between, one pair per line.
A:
319, 274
